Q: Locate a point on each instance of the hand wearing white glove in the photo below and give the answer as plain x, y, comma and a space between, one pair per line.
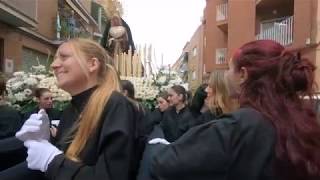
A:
35, 128
158, 141
40, 154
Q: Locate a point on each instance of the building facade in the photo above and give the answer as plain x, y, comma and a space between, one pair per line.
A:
190, 64
31, 30
228, 24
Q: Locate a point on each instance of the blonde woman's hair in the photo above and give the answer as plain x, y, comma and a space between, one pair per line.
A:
221, 99
108, 81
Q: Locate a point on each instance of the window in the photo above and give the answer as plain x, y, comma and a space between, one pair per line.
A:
194, 76
32, 57
194, 51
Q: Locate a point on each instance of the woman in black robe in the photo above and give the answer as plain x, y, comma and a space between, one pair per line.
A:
218, 101
45, 101
274, 135
177, 119
96, 135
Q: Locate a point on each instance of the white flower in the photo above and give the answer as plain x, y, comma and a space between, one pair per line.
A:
20, 96
19, 74
27, 92
162, 79
16, 86
31, 81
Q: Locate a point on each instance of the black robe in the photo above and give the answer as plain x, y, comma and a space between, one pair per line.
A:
110, 152
206, 117
176, 124
236, 146
10, 121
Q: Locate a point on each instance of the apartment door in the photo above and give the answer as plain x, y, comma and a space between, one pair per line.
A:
1, 54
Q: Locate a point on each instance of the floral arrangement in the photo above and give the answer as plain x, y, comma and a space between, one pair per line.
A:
20, 89
166, 79
146, 92
147, 88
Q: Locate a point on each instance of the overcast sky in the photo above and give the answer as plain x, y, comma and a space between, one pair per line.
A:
166, 24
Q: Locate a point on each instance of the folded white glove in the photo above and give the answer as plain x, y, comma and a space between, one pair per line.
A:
158, 141
35, 128
40, 154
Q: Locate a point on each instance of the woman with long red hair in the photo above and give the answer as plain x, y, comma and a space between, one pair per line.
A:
273, 135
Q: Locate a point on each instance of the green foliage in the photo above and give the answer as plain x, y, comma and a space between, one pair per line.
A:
27, 106
60, 105
148, 103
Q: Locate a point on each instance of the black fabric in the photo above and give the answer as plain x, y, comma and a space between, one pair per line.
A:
110, 151
176, 124
21, 172
12, 152
10, 121
236, 146
151, 119
206, 117
151, 150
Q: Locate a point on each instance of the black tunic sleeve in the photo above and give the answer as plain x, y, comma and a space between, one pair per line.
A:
10, 121
238, 146
115, 149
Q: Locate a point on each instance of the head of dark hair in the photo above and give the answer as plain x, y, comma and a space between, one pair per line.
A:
277, 80
198, 98
164, 95
40, 91
180, 90
126, 85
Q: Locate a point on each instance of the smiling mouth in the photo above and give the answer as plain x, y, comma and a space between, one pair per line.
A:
59, 74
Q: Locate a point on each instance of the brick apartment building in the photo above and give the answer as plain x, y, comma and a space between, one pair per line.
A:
227, 24
31, 30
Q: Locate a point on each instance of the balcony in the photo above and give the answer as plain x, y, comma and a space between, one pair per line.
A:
222, 12
222, 16
19, 13
221, 56
279, 30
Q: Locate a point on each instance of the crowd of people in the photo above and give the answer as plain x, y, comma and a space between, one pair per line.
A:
248, 122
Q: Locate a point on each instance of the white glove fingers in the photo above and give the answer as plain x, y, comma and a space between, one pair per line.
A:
33, 122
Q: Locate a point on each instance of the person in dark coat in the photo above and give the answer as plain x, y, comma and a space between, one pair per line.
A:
11, 150
45, 101
155, 117
95, 137
10, 119
198, 106
177, 119
218, 101
274, 134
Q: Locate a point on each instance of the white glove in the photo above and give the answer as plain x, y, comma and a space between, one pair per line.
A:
40, 154
36, 127
158, 141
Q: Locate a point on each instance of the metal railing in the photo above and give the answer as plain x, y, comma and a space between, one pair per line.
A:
222, 12
280, 30
221, 56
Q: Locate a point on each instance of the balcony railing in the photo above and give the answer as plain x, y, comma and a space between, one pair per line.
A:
222, 12
221, 56
280, 30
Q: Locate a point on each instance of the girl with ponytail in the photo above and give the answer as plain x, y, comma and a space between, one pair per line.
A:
95, 137
273, 135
